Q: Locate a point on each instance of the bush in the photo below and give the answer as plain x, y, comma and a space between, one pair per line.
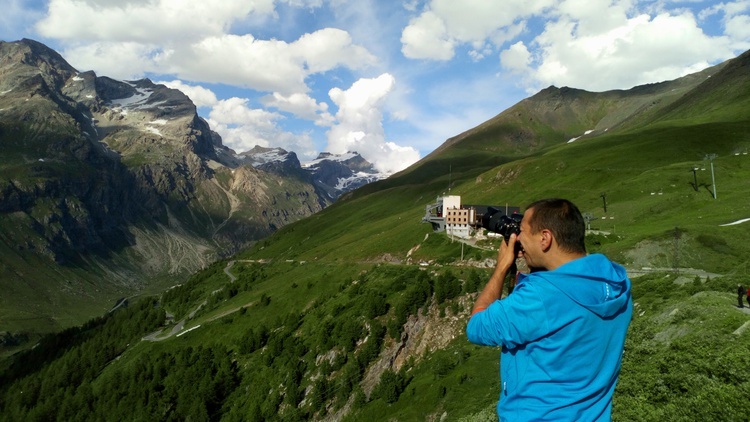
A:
390, 387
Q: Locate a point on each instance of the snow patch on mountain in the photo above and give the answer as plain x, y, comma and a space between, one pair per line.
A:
578, 137
137, 99
327, 156
259, 155
153, 130
356, 180
333, 174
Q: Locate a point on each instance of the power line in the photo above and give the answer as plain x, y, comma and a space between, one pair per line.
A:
710, 157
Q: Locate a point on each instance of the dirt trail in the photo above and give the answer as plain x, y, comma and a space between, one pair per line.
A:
635, 272
232, 277
157, 335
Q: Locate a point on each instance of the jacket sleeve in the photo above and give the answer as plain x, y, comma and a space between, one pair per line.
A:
511, 322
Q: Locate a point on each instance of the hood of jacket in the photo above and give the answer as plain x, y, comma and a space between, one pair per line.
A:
594, 282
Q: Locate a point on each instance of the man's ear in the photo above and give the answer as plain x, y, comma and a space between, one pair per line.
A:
546, 239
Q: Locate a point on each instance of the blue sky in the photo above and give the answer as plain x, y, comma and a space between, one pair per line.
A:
390, 79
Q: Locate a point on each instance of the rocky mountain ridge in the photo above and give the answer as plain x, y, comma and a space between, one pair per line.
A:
333, 174
559, 114
122, 178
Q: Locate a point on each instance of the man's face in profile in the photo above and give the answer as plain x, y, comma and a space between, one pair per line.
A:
530, 249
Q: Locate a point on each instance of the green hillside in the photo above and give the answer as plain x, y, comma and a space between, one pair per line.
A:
358, 312
646, 175
297, 341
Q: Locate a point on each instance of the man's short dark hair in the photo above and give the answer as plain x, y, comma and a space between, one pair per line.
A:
563, 219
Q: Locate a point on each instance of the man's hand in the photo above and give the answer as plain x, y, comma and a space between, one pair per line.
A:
506, 254
506, 260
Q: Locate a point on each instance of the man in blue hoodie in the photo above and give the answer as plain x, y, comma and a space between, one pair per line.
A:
562, 329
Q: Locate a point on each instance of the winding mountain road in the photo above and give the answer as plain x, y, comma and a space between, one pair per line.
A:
157, 335
232, 277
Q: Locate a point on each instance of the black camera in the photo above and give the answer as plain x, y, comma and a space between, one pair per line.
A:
496, 221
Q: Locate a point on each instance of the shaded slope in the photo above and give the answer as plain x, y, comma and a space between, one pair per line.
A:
107, 187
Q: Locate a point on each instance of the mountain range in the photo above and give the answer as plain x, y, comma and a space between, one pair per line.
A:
107, 186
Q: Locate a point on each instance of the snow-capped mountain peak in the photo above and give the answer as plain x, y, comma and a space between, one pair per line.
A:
259, 155
334, 174
323, 156
337, 174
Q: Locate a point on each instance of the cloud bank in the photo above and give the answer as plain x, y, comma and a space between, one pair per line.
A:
595, 45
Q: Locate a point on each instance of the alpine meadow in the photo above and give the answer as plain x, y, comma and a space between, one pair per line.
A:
355, 310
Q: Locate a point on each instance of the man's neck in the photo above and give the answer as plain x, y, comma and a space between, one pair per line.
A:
561, 259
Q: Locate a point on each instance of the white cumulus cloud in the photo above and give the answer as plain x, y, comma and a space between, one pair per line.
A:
446, 24
121, 60
302, 106
516, 58
426, 38
360, 125
190, 39
736, 21
200, 96
268, 65
590, 44
241, 128
145, 21
241, 60
581, 51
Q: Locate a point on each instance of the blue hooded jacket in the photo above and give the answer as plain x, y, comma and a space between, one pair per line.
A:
562, 334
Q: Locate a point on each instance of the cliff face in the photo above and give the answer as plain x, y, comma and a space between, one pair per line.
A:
124, 173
